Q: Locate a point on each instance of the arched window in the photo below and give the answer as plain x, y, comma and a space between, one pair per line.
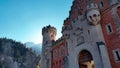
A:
62, 51
55, 54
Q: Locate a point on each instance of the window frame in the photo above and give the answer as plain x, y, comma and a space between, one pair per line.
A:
116, 55
109, 29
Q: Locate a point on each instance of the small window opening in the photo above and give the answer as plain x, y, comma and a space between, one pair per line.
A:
102, 4
118, 56
109, 28
116, 53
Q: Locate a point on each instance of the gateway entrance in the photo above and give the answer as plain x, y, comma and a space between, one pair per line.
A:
85, 60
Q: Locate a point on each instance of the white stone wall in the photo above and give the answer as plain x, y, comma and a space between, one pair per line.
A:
93, 49
91, 35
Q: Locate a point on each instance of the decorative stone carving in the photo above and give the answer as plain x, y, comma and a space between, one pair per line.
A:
66, 31
80, 40
93, 14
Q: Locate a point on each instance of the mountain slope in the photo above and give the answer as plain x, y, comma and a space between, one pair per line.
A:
35, 47
15, 55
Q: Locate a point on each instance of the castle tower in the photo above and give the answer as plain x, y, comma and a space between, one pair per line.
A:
49, 35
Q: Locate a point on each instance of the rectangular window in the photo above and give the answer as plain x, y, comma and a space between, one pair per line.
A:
116, 54
102, 4
109, 28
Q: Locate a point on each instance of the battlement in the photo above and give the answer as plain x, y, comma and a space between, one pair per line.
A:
48, 28
57, 41
67, 21
92, 6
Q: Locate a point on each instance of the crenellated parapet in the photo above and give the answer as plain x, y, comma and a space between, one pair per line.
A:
67, 21
91, 6
57, 41
49, 28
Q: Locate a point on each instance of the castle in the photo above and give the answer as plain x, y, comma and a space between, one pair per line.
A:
90, 37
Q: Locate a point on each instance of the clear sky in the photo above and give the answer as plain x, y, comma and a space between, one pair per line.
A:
22, 20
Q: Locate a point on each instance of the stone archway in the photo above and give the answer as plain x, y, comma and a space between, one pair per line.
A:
85, 59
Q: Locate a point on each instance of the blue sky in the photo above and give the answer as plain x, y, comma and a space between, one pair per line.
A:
22, 20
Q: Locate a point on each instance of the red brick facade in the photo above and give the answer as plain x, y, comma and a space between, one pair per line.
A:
59, 52
112, 39
78, 8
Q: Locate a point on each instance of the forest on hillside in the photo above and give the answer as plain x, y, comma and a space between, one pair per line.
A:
14, 54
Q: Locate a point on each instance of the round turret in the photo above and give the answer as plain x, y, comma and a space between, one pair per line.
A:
93, 14
49, 34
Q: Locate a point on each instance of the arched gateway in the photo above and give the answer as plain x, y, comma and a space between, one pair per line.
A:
85, 59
